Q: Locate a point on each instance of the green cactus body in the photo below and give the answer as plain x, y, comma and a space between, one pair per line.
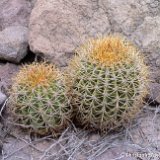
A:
107, 90
38, 99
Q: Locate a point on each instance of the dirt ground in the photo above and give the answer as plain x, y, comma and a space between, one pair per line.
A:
141, 138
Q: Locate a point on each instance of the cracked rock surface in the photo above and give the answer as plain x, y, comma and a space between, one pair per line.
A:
57, 27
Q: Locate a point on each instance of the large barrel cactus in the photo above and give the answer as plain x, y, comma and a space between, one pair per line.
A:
38, 99
108, 81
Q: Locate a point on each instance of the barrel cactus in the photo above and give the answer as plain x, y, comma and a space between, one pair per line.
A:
108, 81
38, 99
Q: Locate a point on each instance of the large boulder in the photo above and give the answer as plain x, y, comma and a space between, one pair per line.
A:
124, 16
14, 17
58, 26
13, 43
14, 12
147, 37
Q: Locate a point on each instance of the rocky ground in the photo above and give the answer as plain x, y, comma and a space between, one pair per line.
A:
137, 139
50, 29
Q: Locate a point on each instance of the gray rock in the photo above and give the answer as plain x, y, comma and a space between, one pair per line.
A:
155, 91
124, 16
13, 43
7, 72
147, 35
57, 27
14, 12
3, 97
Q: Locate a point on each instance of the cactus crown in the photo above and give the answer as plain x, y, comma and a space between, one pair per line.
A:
36, 75
107, 51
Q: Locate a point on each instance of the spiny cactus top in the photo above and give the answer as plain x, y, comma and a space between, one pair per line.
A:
36, 74
38, 99
108, 80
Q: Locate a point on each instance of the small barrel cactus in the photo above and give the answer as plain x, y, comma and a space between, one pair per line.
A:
108, 81
38, 99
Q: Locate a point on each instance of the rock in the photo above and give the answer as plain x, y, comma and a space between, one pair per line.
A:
7, 71
158, 61
32, 2
155, 75
155, 92
13, 28
3, 97
13, 43
124, 17
57, 27
127, 17
14, 12
147, 36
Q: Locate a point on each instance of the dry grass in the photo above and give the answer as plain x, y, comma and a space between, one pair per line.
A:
143, 136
